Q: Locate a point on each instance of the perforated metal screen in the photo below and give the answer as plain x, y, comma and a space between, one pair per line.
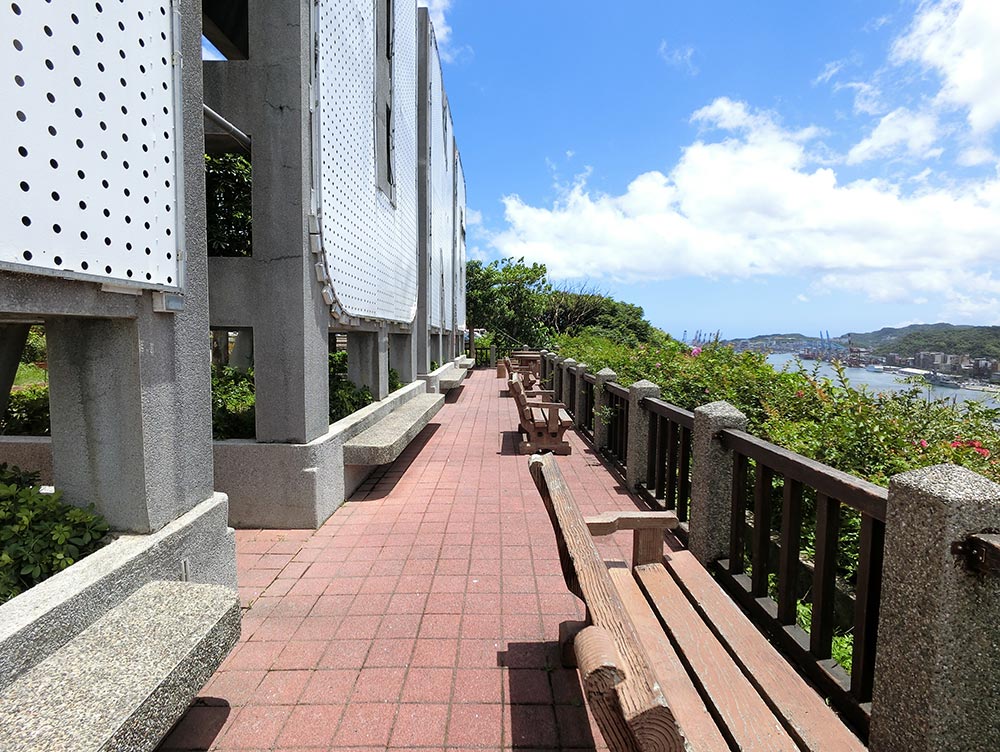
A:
88, 172
370, 245
442, 194
460, 232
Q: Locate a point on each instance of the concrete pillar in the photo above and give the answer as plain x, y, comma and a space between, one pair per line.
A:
493, 356
403, 356
637, 457
938, 648
601, 407
12, 339
242, 355
472, 345
220, 347
711, 481
565, 380
557, 377
368, 361
580, 407
290, 318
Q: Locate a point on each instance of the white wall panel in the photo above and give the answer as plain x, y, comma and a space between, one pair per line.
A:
460, 234
370, 245
88, 167
442, 196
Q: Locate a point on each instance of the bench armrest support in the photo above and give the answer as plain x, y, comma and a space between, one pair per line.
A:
612, 522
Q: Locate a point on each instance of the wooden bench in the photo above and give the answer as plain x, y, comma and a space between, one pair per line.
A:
667, 660
542, 421
125, 680
516, 372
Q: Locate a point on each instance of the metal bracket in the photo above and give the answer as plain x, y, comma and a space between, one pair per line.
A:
978, 553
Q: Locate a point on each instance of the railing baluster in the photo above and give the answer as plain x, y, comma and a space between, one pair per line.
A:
684, 491
671, 492
788, 563
738, 522
661, 460
761, 543
824, 576
651, 443
867, 597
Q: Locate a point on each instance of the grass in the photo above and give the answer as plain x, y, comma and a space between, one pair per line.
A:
29, 374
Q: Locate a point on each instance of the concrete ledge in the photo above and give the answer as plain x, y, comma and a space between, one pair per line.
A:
385, 441
29, 453
297, 485
41, 620
433, 379
465, 363
451, 379
124, 681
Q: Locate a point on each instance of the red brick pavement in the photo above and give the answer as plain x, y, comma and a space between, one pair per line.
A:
422, 615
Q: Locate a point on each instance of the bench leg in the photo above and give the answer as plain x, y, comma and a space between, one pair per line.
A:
568, 630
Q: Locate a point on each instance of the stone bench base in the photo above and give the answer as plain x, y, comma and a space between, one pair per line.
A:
386, 440
452, 379
123, 682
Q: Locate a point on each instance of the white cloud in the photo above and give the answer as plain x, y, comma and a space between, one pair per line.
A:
829, 71
958, 39
753, 203
678, 57
867, 97
876, 23
473, 217
977, 155
916, 131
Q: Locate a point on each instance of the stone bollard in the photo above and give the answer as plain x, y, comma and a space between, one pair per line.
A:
601, 406
557, 376
580, 407
493, 356
637, 456
565, 381
711, 482
938, 661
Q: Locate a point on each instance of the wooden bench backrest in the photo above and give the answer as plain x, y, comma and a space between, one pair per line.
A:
642, 719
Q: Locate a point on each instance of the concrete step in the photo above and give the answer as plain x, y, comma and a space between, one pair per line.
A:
386, 440
123, 682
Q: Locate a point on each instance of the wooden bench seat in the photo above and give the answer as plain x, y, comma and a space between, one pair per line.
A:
523, 373
541, 421
123, 682
386, 440
664, 646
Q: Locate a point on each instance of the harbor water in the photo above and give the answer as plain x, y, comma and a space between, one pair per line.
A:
882, 382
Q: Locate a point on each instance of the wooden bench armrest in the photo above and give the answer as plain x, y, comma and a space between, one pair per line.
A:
545, 404
612, 522
536, 392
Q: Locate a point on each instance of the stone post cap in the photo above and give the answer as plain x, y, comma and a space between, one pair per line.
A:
722, 412
580, 368
606, 374
956, 486
558, 359
644, 388
568, 362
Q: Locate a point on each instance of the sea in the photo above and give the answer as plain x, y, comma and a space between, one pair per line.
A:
882, 382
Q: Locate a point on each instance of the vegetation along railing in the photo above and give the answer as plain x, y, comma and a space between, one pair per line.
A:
668, 467
801, 507
617, 420
482, 356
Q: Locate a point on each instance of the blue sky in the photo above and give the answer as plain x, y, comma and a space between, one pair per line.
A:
747, 167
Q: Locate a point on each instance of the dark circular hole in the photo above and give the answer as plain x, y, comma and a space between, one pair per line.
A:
125, 137
127, 192
58, 259
83, 204
53, 164
99, 8
75, 18
107, 241
170, 280
47, 30
76, 50
81, 174
128, 246
55, 195
107, 212
51, 97
100, 67
100, 37
146, 225
25, 187
148, 250
18, 80
22, 151
104, 154
169, 256
107, 270
77, 81
83, 235
50, 65
169, 233
56, 229
16, 8
79, 143
18, 46
26, 221
101, 96
79, 112
52, 130
27, 255
21, 116
105, 183
125, 164
149, 276
104, 126
84, 265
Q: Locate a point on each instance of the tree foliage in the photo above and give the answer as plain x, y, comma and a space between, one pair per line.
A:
584, 310
228, 199
507, 297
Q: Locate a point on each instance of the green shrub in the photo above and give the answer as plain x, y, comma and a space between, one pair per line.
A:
27, 412
233, 401
394, 382
39, 534
34, 348
228, 197
345, 397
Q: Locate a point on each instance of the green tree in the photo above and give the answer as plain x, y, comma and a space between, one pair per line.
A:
229, 205
584, 310
507, 297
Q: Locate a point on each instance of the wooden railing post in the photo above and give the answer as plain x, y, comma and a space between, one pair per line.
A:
711, 482
557, 376
938, 659
493, 356
564, 382
637, 457
580, 404
601, 407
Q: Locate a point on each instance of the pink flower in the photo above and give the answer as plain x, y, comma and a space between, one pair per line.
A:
800, 393
923, 443
696, 352
981, 450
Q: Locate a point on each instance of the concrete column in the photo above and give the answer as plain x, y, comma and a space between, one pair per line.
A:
580, 406
711, 481
557, 379
601, 406
493, 356
565, 379
403, 356
637, 457
938, 650
472, 345
12, 339
368, 361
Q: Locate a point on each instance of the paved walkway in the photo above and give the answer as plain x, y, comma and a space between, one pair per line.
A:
423, 615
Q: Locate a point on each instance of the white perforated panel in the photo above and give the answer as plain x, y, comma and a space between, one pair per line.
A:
88, 172
370, 245
442, 194
460, 221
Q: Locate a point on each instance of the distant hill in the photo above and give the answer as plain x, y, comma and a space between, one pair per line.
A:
957, 339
